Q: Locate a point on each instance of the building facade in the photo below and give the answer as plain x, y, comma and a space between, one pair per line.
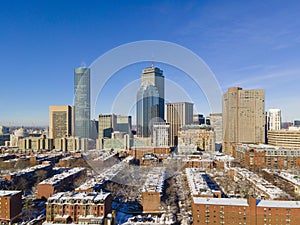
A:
274, 119
110, 123
82, 101
284, 138
150, 101
152, 190
198, 119
160, 137
10, 206
59, 182
178, 114
243, 117
266, 156
216, 122
244, 211
61, 121
79, 208
192, 138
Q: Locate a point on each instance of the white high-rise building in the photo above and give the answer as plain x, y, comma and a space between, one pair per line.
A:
274, 119
160, 136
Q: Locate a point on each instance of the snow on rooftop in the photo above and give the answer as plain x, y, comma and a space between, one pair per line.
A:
107, 174
197, 184
155, 180
8, 193
30, 169
271, 190
279, 204
221, 201
59, 177
285, 175
89, 196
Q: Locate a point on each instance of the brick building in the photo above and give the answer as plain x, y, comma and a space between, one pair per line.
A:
10, 206
266, 156
27, 173
79, 208
152, 190
59, 182
138, 153
244, 211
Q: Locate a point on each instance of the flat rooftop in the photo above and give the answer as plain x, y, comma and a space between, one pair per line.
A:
8, 193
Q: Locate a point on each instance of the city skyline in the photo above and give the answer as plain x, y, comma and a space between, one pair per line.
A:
244, 44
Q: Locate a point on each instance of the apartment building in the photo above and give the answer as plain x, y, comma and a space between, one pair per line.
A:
79, 208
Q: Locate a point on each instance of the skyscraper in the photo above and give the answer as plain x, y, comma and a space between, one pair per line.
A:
274, 119
243, 117
150, 100
61, 121
82, 102
178, 114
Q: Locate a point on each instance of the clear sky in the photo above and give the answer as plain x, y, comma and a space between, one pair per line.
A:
251, 44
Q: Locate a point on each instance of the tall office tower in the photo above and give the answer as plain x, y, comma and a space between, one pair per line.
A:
110, 123
160, 137
150, 100
154, 76
82, 102
274, 119
178, 114
61, 121
243, 117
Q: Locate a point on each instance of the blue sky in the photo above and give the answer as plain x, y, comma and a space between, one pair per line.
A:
252, 44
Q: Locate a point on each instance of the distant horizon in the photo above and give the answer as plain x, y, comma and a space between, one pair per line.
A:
252, 45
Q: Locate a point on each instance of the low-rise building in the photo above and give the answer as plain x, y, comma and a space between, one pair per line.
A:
59, 182
27, 173
244, 211
78, 208
152, 190
266, 156
263, 188
198, 184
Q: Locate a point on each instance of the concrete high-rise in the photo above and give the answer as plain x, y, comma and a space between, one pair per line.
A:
150, 101
178, 114
61, 121
160, 137
274, 119
82, 102
216, 123
243, 117
110, 123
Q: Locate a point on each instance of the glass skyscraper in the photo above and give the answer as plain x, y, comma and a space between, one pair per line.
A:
150, 101
82, 102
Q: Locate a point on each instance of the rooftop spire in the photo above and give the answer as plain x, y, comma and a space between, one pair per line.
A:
152, 61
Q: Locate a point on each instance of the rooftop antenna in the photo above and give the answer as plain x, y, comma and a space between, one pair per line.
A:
152, 61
